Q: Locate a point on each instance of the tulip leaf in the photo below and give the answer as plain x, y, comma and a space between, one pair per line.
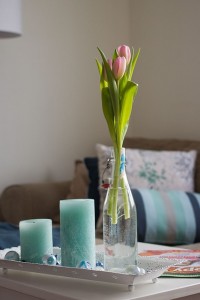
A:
126, 106
132, 64
112, 85
99, 65
108, 112
103, 83
115, 54
122, 84
123, 133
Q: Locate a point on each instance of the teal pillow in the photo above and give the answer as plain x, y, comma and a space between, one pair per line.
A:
167, 217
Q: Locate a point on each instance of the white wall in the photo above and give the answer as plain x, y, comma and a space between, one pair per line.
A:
168, 72
50, 107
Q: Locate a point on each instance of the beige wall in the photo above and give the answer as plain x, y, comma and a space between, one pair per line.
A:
50, 109
168, 103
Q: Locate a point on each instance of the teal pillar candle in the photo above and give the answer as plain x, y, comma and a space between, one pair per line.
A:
77, 232
35, 239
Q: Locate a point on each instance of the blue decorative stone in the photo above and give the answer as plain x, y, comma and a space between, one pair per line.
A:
58, 259
57, 253
12, 255
99, 264
84, 265
49, 260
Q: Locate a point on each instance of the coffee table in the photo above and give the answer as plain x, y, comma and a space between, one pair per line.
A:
31, 286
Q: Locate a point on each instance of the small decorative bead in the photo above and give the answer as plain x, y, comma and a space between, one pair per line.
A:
58, 259
57, 254
84, 265
154, 280
49, 260
142, 271
99, 264
135, 270
12, 255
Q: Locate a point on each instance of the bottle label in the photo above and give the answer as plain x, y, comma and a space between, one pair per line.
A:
122, 165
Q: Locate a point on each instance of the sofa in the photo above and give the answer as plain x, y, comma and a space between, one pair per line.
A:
41, 200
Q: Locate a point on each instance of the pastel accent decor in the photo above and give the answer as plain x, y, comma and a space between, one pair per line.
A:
35, 239
12, 255
77, 232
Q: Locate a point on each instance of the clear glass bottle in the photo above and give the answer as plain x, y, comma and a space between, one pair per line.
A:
120, 239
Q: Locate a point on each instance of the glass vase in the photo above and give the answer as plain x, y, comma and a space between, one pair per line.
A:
120, 236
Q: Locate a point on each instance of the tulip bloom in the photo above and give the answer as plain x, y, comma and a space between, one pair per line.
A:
119, 67
125, 51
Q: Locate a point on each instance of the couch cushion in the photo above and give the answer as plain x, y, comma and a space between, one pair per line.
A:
27, 201
167, 217
168, 144
85, 182
93, 190
78, 187
80, 182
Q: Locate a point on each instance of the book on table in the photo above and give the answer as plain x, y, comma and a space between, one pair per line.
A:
188, 264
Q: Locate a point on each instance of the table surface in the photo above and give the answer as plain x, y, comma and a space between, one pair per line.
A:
29, 286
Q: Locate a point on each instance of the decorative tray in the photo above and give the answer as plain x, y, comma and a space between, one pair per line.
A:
154, 267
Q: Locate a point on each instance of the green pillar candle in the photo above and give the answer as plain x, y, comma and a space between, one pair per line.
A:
77, 232
35, 239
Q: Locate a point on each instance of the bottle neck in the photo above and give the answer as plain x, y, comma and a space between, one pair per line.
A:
122, 168
108, 174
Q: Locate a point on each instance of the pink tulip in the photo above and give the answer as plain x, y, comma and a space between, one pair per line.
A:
119, 67
125, 51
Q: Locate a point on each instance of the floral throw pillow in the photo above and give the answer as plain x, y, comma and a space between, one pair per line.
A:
160, 170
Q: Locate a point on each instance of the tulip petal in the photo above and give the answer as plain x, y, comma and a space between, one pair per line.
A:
124, 51
119, 67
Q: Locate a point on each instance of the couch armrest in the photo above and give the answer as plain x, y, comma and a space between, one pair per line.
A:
28, 201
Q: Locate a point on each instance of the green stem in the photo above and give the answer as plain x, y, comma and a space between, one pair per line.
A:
125, 199
112, 211
110, 203
113, 195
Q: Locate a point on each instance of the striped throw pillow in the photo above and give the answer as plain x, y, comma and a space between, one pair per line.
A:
167, 217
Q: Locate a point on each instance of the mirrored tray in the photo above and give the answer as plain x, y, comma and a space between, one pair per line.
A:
154, 268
